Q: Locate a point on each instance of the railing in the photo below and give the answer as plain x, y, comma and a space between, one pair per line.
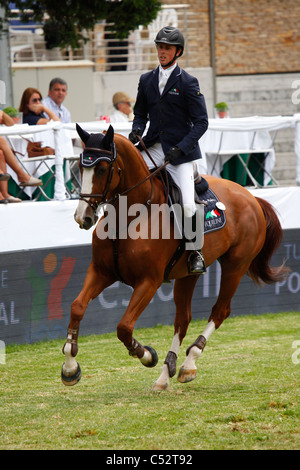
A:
239, 138
137, 52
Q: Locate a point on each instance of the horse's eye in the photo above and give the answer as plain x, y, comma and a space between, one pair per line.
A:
100, 170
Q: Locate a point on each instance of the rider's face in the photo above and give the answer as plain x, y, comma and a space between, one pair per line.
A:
166, 53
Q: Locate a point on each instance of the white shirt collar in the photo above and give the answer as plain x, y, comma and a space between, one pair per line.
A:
166, 72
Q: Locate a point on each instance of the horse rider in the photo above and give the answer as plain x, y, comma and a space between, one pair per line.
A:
171, 100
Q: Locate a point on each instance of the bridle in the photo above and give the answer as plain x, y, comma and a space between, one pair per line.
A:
109, 156
99, 155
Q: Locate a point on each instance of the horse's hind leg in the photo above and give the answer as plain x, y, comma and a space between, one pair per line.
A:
94, 284
230, 280
183, 292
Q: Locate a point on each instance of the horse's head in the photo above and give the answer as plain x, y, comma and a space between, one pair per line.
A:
98, 175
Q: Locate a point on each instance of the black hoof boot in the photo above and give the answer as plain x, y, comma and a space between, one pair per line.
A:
70, 380
196, 263
154, 357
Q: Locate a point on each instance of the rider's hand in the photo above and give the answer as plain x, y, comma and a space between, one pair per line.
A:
173, 154
133, 136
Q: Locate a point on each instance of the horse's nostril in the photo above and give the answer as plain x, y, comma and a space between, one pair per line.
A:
87, 223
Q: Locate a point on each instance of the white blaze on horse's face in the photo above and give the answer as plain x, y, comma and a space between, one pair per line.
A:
84, 215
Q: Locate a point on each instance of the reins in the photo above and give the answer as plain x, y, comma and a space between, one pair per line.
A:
166, 182
83, 196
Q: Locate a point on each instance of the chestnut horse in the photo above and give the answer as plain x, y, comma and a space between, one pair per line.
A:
111, 166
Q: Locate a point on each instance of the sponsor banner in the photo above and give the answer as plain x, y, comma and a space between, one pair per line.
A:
37, 288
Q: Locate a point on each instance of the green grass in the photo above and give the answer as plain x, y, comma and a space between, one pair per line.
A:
246, 394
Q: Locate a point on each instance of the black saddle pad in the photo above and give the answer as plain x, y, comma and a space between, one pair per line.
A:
214, 217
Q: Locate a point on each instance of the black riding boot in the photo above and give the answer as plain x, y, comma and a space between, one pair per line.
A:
196, 263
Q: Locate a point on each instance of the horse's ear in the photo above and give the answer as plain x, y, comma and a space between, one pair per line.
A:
109, 137
82, 134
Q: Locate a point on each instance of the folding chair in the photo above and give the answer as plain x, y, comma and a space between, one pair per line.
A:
44, 159
47, 160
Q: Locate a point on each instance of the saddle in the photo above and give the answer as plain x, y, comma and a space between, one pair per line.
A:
173, 192
214, 219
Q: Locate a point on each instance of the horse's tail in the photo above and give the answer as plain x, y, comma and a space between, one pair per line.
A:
260, 270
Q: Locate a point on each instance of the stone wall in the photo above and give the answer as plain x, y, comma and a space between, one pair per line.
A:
251, 36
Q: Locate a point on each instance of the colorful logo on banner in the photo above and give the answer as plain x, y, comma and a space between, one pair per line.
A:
48, 287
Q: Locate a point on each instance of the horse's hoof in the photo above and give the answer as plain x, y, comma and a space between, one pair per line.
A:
160, 387
186, 375
73, 379
154, 357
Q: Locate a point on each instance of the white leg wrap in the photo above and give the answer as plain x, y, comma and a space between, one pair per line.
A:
175, 346
195, 352
162, 382
70, 366
147, 358
210, 328
190, 360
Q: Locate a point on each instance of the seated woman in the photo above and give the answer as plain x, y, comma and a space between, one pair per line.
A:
7, 158
33, 109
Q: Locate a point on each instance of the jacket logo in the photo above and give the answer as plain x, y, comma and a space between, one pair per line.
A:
174, 91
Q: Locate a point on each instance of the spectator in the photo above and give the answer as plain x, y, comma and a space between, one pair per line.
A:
5, 119
7, 158
57, 93
34, 111
123, 107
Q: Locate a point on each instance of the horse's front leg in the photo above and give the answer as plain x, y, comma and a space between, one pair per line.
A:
94, 284
141, 297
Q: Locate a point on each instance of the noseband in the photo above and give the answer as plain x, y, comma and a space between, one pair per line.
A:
88, 161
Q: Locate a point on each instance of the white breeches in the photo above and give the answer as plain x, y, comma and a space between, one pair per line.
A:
183, 176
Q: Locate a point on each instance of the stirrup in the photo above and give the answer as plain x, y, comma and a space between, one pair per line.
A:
196, 263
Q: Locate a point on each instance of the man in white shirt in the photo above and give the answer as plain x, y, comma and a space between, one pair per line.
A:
123, 107
58, 90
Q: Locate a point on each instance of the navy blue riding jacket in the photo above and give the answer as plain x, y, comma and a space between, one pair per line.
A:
178, 117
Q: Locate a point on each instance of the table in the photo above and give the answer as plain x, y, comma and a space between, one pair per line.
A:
243, 136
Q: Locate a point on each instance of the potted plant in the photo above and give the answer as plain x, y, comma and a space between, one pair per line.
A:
14, 114
222, 110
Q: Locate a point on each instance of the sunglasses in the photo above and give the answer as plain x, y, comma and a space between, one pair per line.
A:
36, 100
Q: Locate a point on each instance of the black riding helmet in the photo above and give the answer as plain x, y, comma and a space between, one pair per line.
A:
171, 35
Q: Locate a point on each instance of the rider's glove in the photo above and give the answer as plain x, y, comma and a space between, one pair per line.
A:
173, 154
133, 136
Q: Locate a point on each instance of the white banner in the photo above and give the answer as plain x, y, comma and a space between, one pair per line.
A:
37, 225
